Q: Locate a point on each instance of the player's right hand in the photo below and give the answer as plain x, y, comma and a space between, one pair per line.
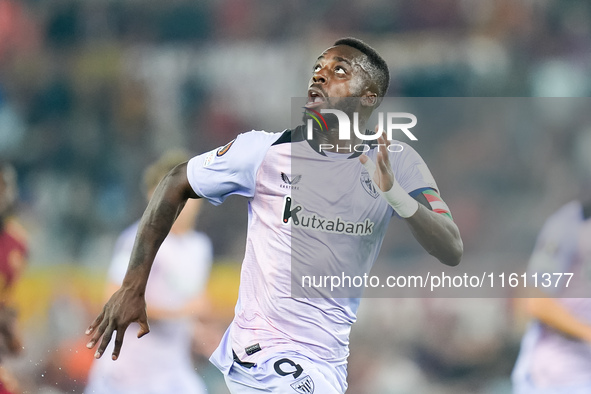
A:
123, 308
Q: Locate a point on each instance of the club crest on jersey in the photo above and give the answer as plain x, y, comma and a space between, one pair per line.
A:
368, 185
304, 386
289, 183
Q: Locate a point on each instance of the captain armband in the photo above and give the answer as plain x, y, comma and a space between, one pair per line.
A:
436, 203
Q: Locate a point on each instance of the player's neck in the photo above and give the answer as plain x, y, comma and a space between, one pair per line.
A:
331, 141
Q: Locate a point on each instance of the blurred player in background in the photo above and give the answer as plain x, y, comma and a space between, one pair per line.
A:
278, 343
13, 252
555, 356
163, 363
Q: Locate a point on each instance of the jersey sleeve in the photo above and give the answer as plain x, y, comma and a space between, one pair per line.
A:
410, 170
414, 177
230, 169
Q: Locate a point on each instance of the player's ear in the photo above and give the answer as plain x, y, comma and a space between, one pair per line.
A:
370, 99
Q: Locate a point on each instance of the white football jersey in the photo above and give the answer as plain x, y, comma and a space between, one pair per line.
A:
161, 361
548, 358
310, 214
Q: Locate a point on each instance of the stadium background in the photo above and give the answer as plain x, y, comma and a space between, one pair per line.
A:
91, 92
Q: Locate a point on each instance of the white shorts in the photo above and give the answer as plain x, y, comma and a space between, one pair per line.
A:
280, 371
286, 373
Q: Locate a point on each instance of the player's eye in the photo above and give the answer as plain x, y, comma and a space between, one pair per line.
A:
340, 70
317, 68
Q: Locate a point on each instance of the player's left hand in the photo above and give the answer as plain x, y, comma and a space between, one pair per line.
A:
382, 171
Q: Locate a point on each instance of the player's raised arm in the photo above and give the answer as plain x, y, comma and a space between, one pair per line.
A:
128, 305
438, 234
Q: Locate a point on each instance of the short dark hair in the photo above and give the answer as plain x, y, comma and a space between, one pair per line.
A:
378, 69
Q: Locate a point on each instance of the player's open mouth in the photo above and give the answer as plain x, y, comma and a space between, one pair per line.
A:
315, 98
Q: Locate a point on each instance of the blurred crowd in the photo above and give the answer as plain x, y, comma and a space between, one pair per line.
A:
91, 92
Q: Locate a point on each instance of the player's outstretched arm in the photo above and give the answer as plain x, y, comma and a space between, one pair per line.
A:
553, 314
436, 233
128, 305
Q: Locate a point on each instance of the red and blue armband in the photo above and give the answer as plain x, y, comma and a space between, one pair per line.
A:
432, 200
